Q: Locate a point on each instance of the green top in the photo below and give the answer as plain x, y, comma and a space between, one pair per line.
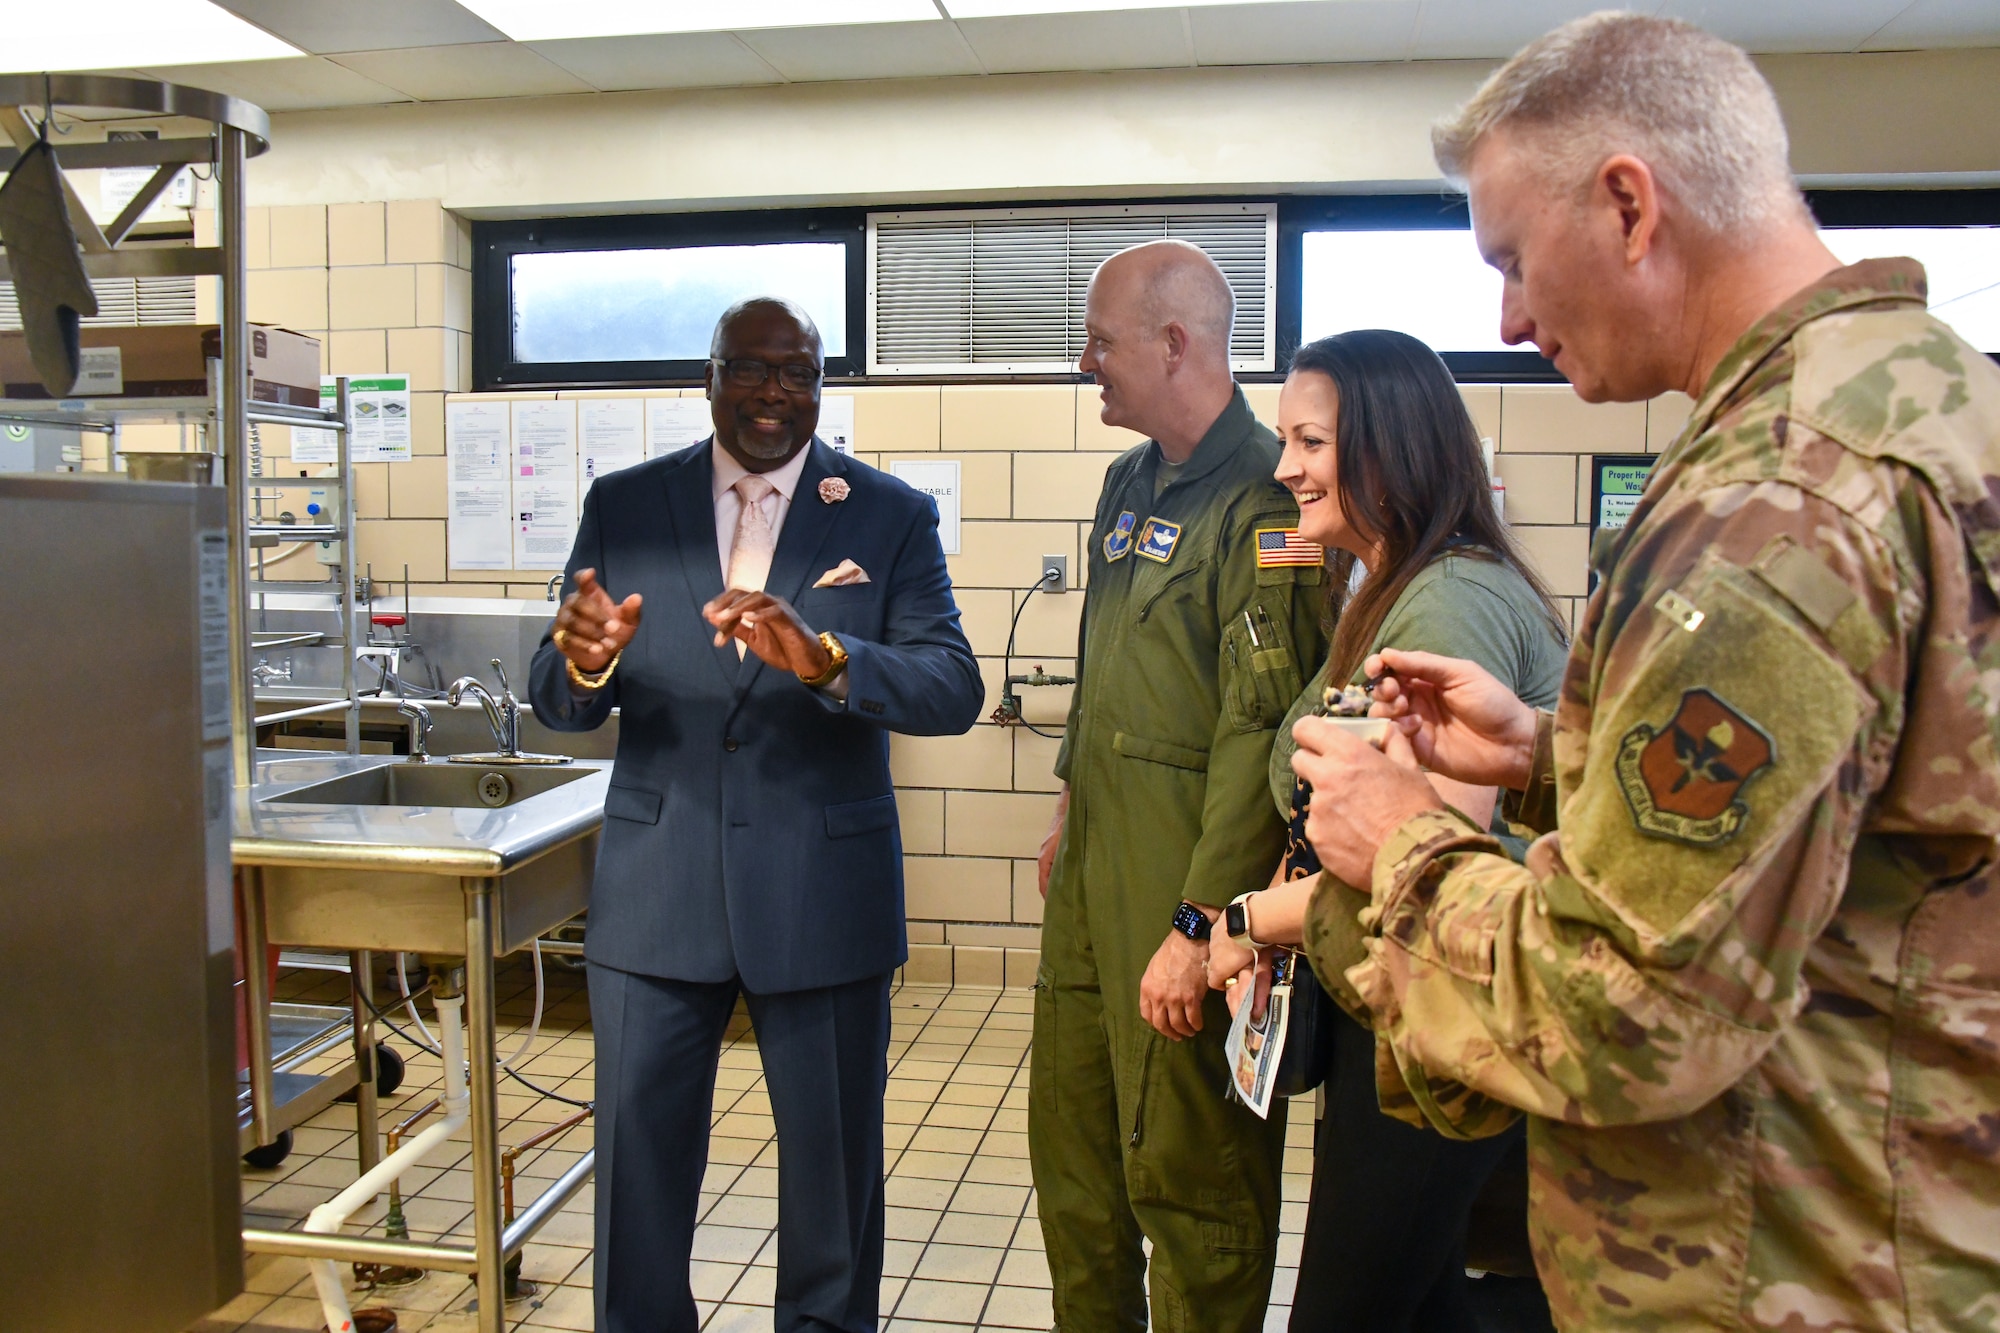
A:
1189, 653
1458, 606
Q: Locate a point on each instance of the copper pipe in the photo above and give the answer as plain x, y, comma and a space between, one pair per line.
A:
513, 1154
410, 1122
515, 1288
396, 1227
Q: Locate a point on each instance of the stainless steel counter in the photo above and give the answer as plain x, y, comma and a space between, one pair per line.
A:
270, 831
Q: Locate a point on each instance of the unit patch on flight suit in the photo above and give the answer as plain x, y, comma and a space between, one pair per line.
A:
1682, 781
1157, 538
1118, 541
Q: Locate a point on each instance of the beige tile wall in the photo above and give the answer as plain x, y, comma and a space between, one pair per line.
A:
387, 287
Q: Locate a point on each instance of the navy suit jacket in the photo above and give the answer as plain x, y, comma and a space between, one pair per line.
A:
750, 829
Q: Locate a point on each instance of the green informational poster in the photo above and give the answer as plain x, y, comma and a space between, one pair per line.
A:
1616, 482
379, 411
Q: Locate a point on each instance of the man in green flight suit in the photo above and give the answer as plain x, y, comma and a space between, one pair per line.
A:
1190, 654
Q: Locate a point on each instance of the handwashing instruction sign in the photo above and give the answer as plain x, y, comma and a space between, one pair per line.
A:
1617, 482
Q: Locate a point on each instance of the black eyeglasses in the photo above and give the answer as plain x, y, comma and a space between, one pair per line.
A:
748, 373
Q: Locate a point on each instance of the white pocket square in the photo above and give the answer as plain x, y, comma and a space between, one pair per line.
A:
841, 575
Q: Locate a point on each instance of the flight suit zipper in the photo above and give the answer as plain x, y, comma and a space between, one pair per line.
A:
1139, 1100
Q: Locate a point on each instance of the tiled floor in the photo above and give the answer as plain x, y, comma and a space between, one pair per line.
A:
964, 1246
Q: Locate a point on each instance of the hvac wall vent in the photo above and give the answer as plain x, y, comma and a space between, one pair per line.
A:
158, 300
1001, 290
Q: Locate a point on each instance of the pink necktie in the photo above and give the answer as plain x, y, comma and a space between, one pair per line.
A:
750, 550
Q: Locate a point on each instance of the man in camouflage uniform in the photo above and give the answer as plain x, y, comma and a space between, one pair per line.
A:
1747, 984
1190, 654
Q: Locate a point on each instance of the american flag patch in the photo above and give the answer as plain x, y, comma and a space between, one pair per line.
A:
1284, 546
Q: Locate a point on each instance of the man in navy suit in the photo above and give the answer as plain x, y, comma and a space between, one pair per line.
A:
796, 610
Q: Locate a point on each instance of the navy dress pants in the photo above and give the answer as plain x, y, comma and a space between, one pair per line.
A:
825, 1054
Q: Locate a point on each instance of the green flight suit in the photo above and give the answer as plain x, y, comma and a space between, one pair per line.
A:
1178, 699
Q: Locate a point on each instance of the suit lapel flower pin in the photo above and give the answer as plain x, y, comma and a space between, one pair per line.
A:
832, 490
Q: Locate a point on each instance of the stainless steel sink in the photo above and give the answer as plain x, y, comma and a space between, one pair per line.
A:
433, 784
369, 852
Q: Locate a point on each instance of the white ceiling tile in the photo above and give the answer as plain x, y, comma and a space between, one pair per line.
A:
365, 25
1935, 23
455, 73
1470, 29
1789, 25
1297, 34
303, 83
865, 51
661, 60
1127, 39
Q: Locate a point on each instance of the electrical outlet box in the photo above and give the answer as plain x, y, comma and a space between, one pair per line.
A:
1060, 581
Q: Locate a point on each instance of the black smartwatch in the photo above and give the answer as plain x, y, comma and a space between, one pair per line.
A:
1192, 922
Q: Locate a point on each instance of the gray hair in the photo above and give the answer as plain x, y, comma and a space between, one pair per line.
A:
1690, 105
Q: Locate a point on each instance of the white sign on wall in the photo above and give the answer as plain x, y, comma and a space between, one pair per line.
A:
836, 422
478, 452
610, 434
544, 473
676, 423
938, 479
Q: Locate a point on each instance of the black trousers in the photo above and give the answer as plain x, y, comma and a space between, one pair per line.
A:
825, 1055
1384, 1246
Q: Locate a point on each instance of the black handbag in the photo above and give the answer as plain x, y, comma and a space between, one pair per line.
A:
1308, 1056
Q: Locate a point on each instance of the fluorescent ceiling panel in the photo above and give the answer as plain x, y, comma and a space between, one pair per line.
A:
985, 9
545, 20
115, 34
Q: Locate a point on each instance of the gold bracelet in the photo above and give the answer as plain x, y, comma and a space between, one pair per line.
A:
598, 681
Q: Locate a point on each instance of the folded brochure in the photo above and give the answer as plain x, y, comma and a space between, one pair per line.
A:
1254, 1049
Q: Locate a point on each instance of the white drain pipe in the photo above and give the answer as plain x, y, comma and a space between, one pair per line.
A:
328, 1218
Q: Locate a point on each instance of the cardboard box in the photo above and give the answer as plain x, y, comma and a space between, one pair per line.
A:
171, 361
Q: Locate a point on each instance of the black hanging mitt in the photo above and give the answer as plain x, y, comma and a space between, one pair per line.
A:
50, 284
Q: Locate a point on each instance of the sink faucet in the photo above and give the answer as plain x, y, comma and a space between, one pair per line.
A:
420, 729
503, 715
554, 583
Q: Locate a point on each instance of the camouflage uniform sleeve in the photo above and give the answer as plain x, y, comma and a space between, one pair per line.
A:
1259, 675
1534, 806
1748, 674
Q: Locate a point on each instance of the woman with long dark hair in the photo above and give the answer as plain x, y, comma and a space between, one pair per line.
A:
1386, 464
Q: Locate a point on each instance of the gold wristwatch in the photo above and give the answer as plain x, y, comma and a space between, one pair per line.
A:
833, 668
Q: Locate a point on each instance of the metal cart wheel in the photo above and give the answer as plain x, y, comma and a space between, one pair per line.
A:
265, 1156
389, 1065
